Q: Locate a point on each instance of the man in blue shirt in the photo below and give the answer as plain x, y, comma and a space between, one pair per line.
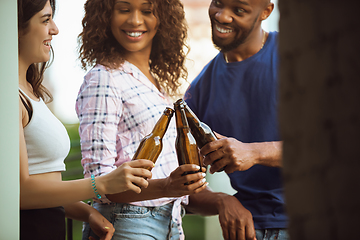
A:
236, 94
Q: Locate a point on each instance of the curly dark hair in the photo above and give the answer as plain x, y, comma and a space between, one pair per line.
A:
35, 73
97, 45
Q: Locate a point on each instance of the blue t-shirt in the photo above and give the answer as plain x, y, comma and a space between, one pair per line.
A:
239, 100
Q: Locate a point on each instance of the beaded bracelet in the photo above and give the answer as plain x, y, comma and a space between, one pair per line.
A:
94, 186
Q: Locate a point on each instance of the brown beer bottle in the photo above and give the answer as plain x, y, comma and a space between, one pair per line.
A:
185, 144
151, 145
201, 131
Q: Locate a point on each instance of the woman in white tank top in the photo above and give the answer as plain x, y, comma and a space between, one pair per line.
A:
45, 199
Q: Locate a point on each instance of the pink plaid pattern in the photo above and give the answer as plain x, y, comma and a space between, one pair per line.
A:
116, 109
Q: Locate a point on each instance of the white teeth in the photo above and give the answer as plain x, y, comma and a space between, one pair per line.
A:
222, 30
134, 34
47, 43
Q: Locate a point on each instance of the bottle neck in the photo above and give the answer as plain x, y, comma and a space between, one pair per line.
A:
191, 116
181, 121
161, 125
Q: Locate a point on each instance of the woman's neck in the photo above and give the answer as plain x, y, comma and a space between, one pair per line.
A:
141, 61
23, 67
24, 85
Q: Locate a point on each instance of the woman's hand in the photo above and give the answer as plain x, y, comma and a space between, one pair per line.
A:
129, 176
83, 212
178, 184
100, 226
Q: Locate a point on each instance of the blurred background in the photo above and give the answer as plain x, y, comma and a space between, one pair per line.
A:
65, 76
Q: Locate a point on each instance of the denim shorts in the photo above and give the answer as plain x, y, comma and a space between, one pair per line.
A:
135, 222
272, 234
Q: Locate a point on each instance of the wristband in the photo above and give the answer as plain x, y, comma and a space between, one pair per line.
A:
94, 186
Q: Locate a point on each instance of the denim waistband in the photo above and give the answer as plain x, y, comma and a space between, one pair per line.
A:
165, 210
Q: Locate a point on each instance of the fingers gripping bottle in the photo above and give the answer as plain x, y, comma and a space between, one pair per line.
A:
185, 144
151, 145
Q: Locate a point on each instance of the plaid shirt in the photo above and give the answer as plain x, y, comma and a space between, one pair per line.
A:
116, 109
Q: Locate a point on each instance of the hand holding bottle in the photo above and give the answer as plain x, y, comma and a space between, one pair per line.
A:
129, 176
235, 155
231, 154
179, 184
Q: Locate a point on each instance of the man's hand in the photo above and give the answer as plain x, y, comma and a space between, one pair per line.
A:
235, 220
233, 155
230, 154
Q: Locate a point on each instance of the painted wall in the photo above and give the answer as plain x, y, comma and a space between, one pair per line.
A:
9, 109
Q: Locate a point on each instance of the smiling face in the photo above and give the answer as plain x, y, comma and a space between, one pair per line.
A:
234, 22
35, 41
134, 24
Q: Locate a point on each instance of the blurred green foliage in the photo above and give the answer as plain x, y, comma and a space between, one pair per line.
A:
193, 225
74, 169
72, 161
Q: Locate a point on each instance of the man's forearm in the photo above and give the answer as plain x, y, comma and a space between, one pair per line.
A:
270, 153
153, 191
205, 203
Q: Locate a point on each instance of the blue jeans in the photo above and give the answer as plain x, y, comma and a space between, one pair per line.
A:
135, 222
272, 234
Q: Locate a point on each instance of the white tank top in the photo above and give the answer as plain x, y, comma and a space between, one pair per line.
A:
47, 141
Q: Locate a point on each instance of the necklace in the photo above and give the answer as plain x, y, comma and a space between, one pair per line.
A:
262, 45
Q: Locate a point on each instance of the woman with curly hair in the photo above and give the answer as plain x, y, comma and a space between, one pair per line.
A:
135, 49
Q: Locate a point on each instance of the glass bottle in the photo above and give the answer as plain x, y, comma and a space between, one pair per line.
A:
201, 131
151, 145
185, 144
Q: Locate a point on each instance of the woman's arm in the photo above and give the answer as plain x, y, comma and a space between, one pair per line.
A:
172, 186
48, 190
83, 212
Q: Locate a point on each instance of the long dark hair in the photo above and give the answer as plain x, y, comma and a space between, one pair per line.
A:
98, 45
35, 73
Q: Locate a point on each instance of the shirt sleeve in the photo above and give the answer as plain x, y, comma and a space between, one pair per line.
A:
98, 107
